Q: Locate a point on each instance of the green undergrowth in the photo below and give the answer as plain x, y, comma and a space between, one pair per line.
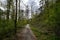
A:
43, 35
7, 29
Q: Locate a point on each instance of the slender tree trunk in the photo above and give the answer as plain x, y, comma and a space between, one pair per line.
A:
19, 9
16, 21
13, 11
8, 9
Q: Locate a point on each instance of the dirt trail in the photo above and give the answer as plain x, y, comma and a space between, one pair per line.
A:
26, 34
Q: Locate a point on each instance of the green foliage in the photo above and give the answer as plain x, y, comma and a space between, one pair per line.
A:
6, 29
21, 23
48, 22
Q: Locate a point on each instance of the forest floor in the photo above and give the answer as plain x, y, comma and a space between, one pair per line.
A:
26, 34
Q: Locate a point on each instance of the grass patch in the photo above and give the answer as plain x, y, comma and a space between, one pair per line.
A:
36, 32
42, 35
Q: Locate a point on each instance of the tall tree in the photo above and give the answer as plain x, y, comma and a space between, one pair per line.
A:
8, 8
9, 3
16, 21
13, 10
19, 9
27, 12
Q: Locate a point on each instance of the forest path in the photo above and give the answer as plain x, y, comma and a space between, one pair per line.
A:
26, 34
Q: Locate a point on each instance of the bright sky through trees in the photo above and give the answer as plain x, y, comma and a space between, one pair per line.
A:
27, 2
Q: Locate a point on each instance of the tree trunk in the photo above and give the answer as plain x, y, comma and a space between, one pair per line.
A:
8, 9
19, 9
